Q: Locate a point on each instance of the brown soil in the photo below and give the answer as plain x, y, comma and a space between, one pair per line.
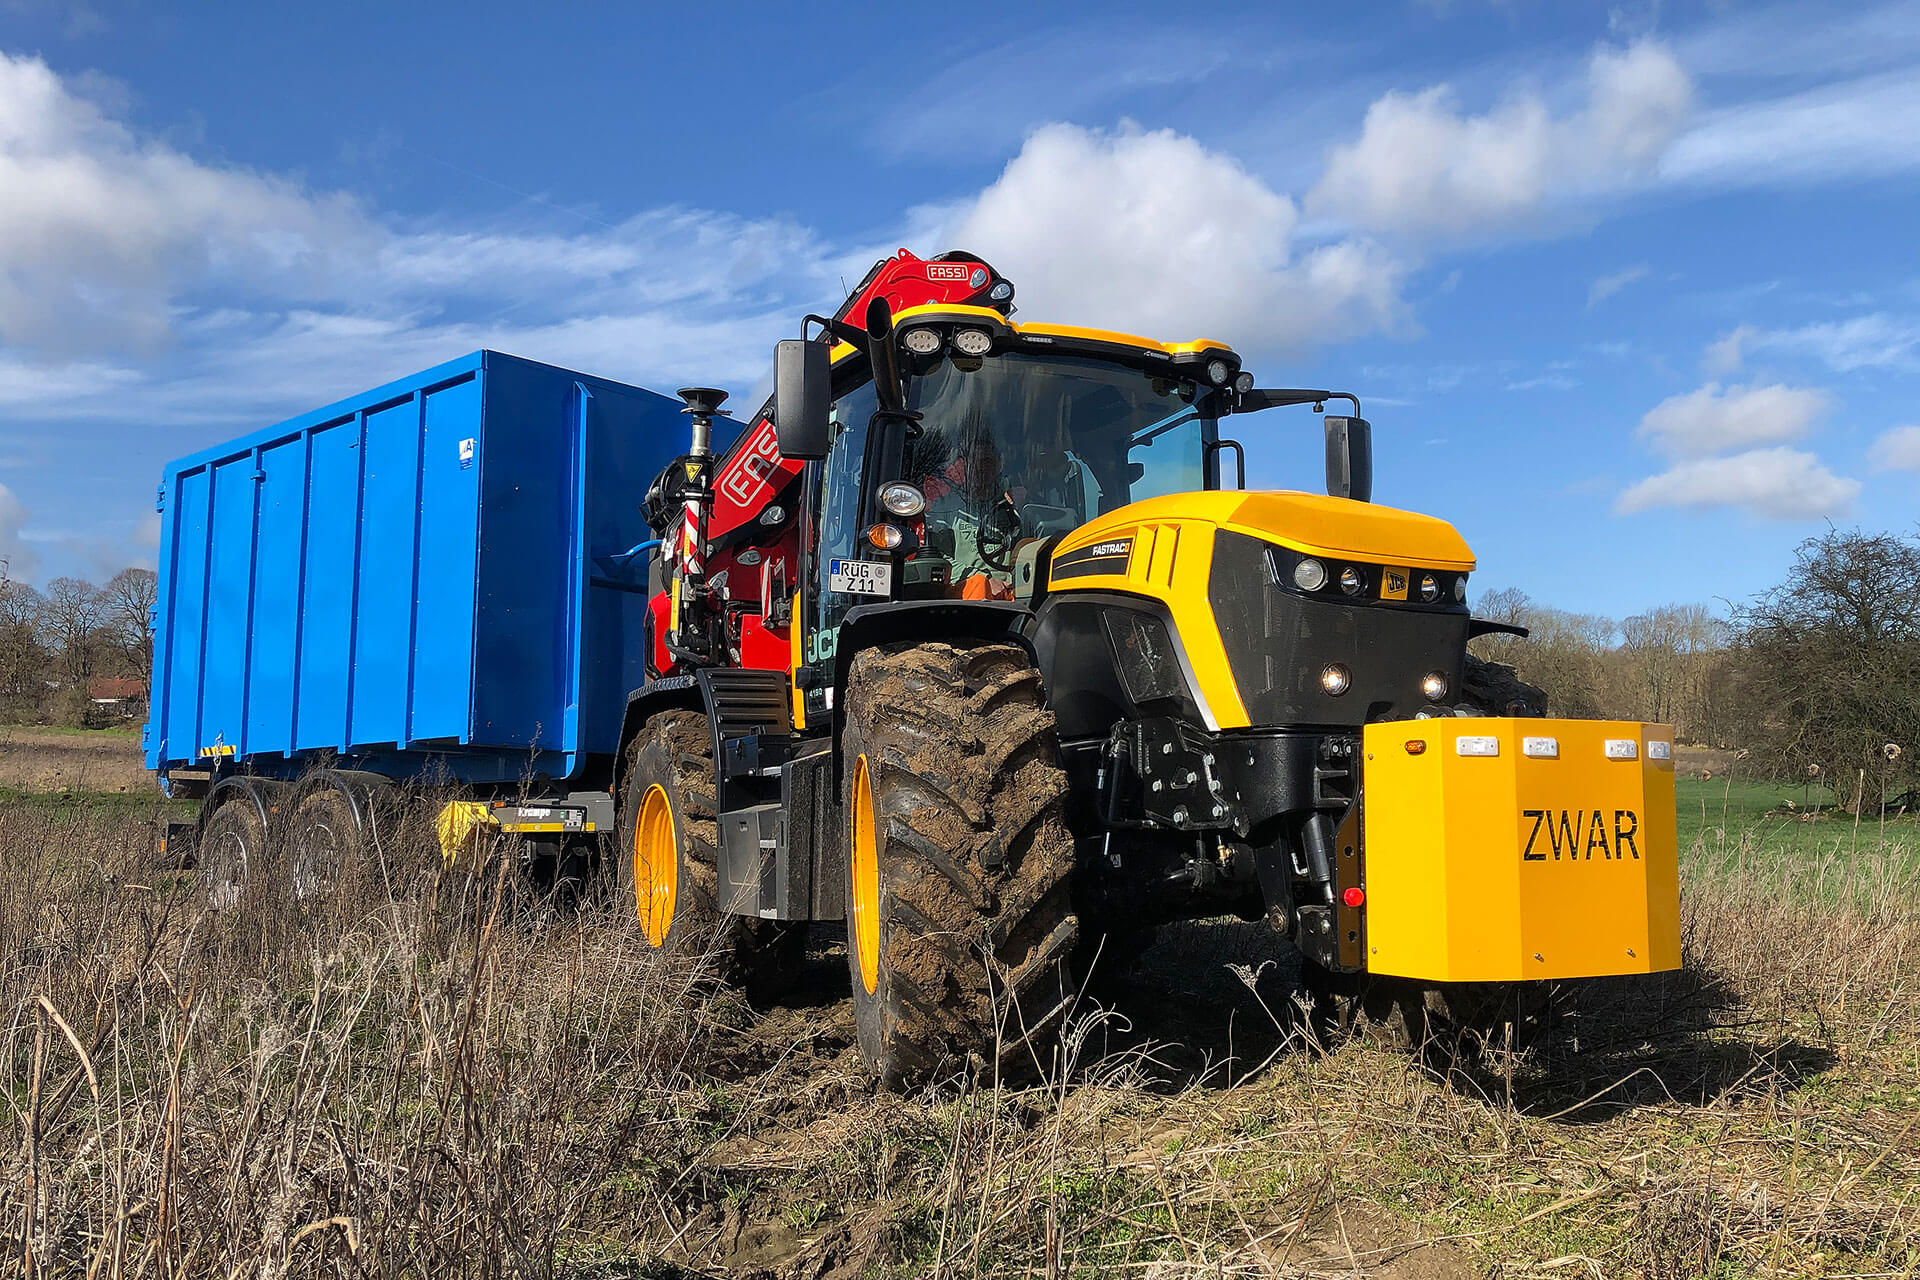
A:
51, 761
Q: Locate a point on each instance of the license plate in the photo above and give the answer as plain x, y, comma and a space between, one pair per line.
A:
860, 577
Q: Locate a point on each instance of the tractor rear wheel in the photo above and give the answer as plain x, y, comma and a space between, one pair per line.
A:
960, 922
667, 858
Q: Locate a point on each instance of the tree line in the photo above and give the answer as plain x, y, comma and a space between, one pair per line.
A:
1815, 680
58, 641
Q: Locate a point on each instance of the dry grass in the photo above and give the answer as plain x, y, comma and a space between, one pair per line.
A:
429, 1075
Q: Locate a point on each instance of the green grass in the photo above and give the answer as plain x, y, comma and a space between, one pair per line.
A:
98, 803
129, 733
1731, 828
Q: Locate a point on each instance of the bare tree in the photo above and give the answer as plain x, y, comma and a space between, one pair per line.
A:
23, 660
72, 615
1665, 659
1829, 670
128, 602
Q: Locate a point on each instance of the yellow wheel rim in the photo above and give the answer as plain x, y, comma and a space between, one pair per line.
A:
656, 864
865, 878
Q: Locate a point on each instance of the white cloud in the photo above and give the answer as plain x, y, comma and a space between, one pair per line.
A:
1710, 419
1153, 232
1421, 166
21, 560
1876, 341
1606, 286
1859, 127
1897, 449
1779, 484
100, 229
1725, 354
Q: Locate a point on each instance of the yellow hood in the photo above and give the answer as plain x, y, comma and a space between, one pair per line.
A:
1338, 528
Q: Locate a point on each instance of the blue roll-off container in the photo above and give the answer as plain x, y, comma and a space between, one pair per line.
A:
430, 577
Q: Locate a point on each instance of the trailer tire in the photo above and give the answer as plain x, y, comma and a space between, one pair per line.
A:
230, 851
666, 855
960, 923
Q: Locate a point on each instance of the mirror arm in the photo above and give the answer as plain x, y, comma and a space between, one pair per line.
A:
840, 329
1278, 397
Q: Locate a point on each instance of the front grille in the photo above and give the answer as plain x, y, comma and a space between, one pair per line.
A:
1278, 641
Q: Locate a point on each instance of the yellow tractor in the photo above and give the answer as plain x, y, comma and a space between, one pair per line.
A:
1000, 663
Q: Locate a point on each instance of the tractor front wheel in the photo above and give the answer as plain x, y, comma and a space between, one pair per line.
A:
959, 916
667, 861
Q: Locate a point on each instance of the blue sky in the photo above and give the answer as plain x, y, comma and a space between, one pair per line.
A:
1631, 293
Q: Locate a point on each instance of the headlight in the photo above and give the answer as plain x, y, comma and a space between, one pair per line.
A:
921, 341
773, 514
1434, 686
1218, 372
1460, 589
1001, 292
885, 536
1335, 679
902, 499
1143, 654
1309, 575
972, 342
1243, 383
1429, 589
1350, 581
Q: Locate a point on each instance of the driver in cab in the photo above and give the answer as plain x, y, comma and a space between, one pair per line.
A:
988, 505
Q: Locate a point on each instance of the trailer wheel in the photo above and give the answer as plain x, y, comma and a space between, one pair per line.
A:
960, 923
230, 850
666, 855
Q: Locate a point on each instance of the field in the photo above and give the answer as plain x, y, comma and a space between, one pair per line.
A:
436, 1075
50, 761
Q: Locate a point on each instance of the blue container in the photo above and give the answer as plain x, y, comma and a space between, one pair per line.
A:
428, 577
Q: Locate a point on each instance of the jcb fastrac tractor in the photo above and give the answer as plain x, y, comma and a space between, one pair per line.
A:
976, 641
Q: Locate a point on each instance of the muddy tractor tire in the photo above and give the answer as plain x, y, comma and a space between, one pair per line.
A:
960, 923
1497, 689
667, 866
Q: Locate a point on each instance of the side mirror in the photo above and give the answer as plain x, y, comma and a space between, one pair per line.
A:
802, 398
1350, 458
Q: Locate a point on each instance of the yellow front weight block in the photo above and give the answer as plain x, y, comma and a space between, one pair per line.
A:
1505, 849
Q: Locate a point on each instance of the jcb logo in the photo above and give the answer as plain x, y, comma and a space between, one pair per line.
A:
1574, 835
1396, 583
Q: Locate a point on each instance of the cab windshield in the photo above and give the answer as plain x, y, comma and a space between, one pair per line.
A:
1020, 446
1007, 448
